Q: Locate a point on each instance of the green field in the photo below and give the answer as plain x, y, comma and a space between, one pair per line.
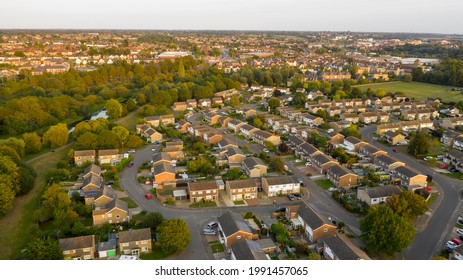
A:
419, 91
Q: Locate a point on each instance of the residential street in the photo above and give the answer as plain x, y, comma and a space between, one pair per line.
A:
430, 241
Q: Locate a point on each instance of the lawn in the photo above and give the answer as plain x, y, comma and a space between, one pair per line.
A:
15, 227
157, 254
456, 175
432, 198
324, 184
203, 204
129, 121
130, 202
419, 91
216, 247
239, 202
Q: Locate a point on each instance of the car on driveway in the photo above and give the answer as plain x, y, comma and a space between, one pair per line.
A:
212, 225
460, 230
290, 197
394, 150
281, 209
208, 231
297, 195
266, 150
444, 166
308, 164
456, 241
331, 189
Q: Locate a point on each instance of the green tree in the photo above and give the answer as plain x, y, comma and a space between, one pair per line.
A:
107, 139
19, 54
130, 105
352, 130
56, 136
408, 204
56, 205
280, 233
234, 100
32, 142
7, 196
385, 231
152, 220
181, 69
87, 141
322, 113
141, 99
174, 235
26, 178
43, 247
314, 257
17, 144
134, 142
419, 144
113, 109
122, 134
274, 103
276, 164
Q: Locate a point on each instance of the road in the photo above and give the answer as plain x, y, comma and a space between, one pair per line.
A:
429, 242
195, 218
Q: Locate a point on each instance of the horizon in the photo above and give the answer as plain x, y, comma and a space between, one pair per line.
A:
359, 16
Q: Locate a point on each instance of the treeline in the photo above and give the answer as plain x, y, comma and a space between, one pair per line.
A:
425, 51
449, 72
16, 177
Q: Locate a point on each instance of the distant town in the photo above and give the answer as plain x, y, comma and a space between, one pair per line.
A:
226, 145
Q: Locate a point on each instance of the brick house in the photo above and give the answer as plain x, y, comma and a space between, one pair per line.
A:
233, 228
111, 156
241, 189
377, 195
207, 191
135, 242
341, 177
80, 157
323, 162
115, 212
274, 186
254, 167
78, 248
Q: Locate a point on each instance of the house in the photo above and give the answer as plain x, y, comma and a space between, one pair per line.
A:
241, 189
310, 120
78, 248
377, 195
341, 177
381, 129
203, 191
338, 126
174, 152
92, 170
248, 130
455, 158
212, 118
247, 250
295, 141
369, 117
161, 158
247, 113
350, 117
106, 249
449, 136
149, 133
192, 103
274, 186
307, 151
182, 126
205, 103
103, 197
109, 156
91, 183
235, 125
163, 173
80, 157
262, 136
452, 122
254, 167
371, 152
225, 143
163, 120
341, 248
387, 163
135, 242
235, 155
410, 178
458, 143
179, 106
394, 138
212, 137
323, 162
314, 226
233, 228
352, 143
217, 101
115, 212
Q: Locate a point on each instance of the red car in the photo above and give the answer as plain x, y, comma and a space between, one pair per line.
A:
148, 196
394, 150
443, 166
428, 189
148, 183
456, 241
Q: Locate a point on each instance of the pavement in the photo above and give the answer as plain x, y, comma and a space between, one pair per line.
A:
430, 241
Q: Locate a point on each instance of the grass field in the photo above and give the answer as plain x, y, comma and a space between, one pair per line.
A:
15, 227
419, 91
130, 202
324, 184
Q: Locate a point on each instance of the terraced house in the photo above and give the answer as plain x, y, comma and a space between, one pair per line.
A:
207, 191
241, 189
341, 177
274, 186
135, 242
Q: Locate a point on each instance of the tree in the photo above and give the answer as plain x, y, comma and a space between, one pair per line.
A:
56, 205
141, 99
6, 198
32, 142
107, 139
322, 113
274, 103
280, 232
152, 220
276, 164
134, 142
234, 100
26, 178
385, 231
314, 257
174, 235
122, 134
352, 130
113, 109
419, 144
43, 247
408, 204
56, 136
181, 69
87, 141
130, 105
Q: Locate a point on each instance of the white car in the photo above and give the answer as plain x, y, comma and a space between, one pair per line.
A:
131, 151
298, 160
207, 231
331, 189
460, 230
308, 164
266, 150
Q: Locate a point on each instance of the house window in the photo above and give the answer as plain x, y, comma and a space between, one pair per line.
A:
118, 216
125, 244
325, 230
110, 215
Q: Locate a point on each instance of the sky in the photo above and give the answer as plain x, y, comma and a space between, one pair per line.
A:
418, 16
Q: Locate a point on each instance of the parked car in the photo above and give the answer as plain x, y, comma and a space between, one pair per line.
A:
461, 237
456, 241
156, 143
460, 221
248, 155
331, 189
429, 178
297, 195
453, 170
394, 150
450, 245
298, 160
460, 230
212, 225
130, 164
308, 164
266, 150
290, 197
281, 209
444, 166
148, 196
131, 151
250, 139
110, 183
428, 189
148, 183
207, 231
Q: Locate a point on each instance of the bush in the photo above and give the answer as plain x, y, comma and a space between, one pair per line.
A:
335, 195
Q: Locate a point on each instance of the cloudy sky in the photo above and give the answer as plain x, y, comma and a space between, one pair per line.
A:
425, 16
